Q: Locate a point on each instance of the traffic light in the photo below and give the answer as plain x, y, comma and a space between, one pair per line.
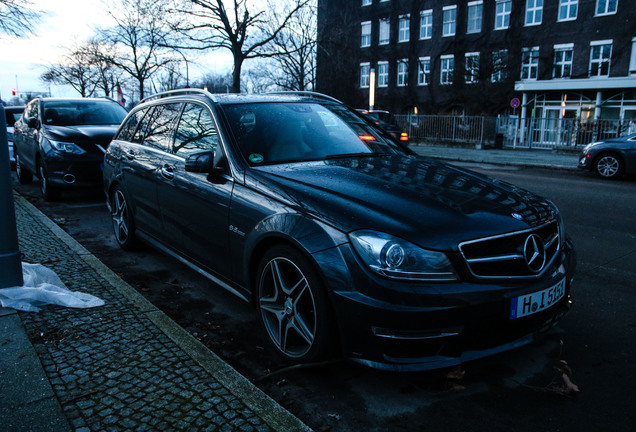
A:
14, 91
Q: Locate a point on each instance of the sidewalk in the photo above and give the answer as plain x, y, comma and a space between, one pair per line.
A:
122, 366
529, 158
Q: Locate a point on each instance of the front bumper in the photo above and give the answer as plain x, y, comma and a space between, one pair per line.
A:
402, 326
585, 161
69, 171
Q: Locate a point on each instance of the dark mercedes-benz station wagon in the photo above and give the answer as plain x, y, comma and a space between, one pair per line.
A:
343, 239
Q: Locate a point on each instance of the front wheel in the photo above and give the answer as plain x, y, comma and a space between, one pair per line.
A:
608, 166
123, 222
293, 307
49, 192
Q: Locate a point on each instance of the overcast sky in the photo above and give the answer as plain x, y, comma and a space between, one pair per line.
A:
63, 24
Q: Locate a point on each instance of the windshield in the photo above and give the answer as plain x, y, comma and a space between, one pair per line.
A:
82, 112
281, 132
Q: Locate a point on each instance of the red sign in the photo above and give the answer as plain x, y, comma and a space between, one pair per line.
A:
515, 102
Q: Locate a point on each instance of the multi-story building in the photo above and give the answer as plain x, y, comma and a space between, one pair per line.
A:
541, 58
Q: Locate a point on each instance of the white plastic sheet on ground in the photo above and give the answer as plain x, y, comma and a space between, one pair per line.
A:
42, 286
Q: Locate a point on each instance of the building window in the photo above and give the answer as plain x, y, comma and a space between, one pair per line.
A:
450, 21
632, 61
471, 71
402, 73
447, 69
534, 12
475, 9
502, 14
600, 56
383, 74
366, 2
423, 71
365, 70
530, 63
426, 24
606, 7
499, 66
365, 38
568, 10
562, 67
404, 33
385, 30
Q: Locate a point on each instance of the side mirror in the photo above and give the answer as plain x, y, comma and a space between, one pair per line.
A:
200, 162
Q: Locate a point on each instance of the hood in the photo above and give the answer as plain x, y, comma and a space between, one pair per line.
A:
102, 134
422, 200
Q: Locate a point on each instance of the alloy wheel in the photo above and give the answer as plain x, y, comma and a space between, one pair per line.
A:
120, 217
608, 166
288, 307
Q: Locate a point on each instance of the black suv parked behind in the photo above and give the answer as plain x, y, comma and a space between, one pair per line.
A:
63, 141
339, 235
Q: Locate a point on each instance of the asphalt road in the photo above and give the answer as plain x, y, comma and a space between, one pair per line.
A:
513, 391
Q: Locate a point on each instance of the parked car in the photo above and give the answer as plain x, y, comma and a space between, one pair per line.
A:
610, 158
341, 238
382, 119
63, 141
12, 114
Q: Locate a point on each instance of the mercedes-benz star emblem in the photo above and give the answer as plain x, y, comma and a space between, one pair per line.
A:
534, 253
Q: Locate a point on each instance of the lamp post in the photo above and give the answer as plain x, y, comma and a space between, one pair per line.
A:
10, 264
371, 89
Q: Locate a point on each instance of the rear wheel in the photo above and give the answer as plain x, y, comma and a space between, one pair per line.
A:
49, 192
608, 166
123, 222
24, 175
293, 307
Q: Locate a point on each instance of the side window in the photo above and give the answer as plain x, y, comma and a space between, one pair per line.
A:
160, 131
127, 132
196, 132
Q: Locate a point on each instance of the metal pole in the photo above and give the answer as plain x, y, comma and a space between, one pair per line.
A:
10, 264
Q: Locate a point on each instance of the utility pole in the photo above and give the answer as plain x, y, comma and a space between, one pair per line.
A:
10, 263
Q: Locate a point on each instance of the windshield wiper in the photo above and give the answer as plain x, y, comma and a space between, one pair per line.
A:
351, 155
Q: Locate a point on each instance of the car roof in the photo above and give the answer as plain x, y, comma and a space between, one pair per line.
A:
240, 98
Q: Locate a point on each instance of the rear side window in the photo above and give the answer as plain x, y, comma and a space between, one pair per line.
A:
161, 127
196, 132
132, 125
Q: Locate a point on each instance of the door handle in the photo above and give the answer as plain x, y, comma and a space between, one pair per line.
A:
167, 171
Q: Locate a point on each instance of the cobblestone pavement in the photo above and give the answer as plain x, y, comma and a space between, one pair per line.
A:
125, 365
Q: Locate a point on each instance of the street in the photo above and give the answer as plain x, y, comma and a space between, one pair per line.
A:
513, 391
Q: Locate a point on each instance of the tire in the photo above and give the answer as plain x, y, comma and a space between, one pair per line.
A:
608, 166
123, 221
49, 192
293, 307
24, 175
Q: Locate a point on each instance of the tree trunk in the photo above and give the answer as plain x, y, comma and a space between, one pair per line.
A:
236, 73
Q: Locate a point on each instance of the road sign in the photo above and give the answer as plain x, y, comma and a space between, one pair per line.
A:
515, 102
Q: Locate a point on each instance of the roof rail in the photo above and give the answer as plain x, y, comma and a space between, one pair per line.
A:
179, 91
306, 93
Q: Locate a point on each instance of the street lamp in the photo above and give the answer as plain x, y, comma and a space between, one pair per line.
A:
371, 89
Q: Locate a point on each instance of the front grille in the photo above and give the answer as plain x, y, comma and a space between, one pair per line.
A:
503, 256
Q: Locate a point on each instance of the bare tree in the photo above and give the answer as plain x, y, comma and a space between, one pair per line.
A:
139, 39
17, 17
246, 30
295, 68
76, 70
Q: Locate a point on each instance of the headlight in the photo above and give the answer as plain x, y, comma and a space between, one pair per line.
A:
589, 146
399, 259
66, 147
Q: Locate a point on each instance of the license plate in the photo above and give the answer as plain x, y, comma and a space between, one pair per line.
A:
536, 302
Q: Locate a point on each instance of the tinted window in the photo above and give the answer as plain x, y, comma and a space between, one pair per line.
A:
287, 132
81, 112
160, 130
196, 131
127, 132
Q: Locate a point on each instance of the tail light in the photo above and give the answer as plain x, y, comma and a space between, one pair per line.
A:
404, 136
